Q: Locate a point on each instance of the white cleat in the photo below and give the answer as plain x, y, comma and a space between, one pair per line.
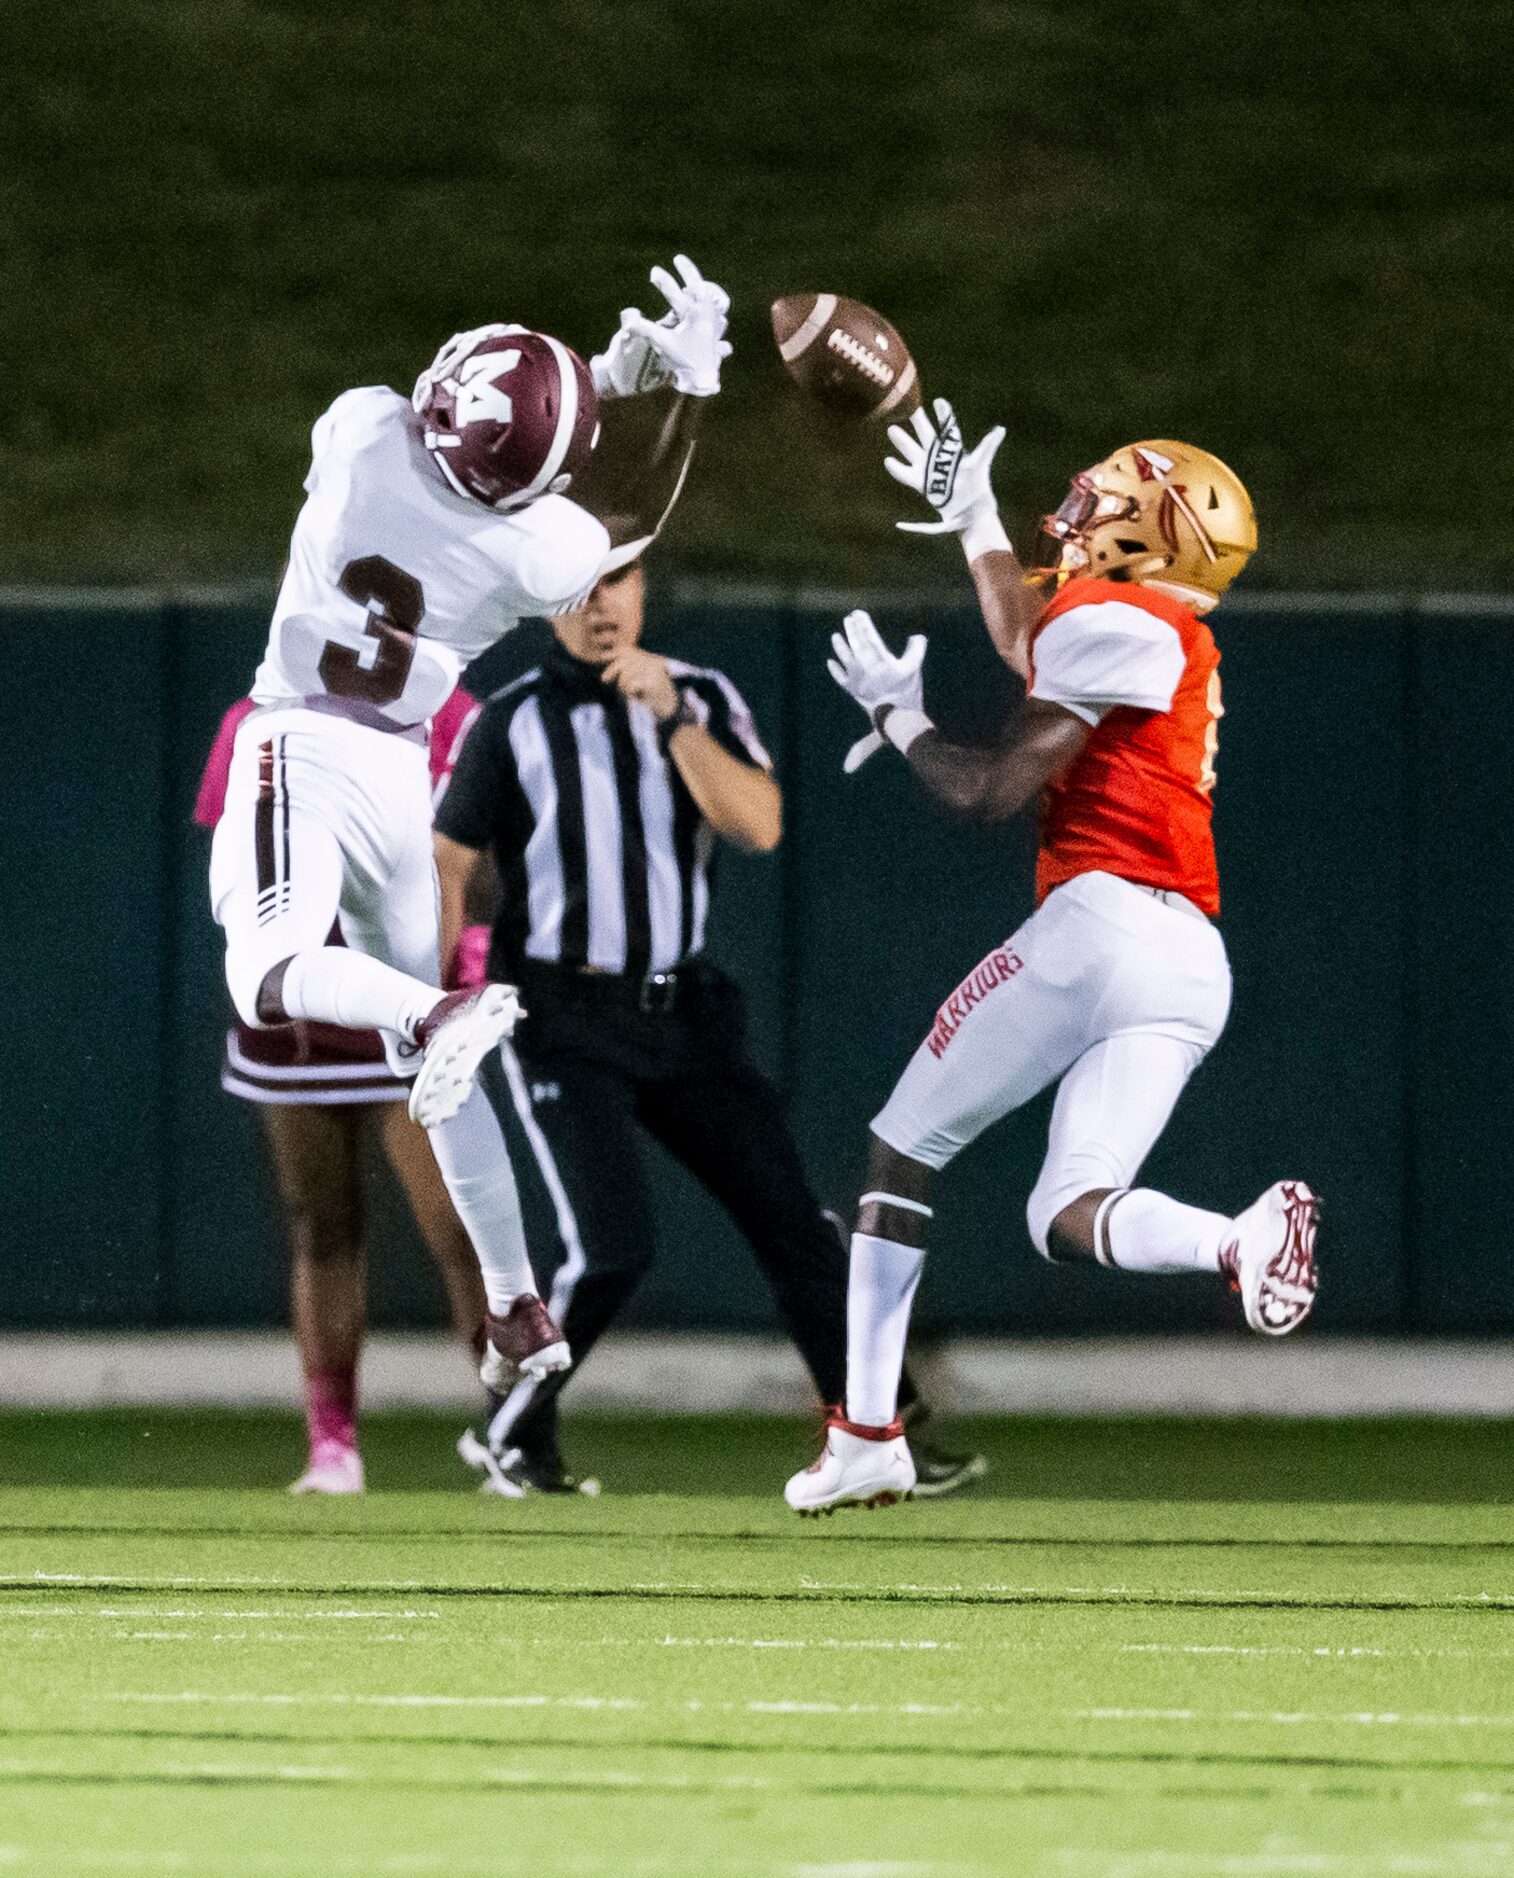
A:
480, 1456
456, 1037
334, 1468
1270, 1261
497, 1372
525, 1342
510, 1475
857, 1467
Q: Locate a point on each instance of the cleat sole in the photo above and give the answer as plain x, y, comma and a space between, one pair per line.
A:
888, 1497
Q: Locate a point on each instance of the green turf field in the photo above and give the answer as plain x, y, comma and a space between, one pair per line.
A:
1146, 1649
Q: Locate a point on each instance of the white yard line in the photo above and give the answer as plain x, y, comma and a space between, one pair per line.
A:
614, 1864
147, 1610
781, 1643
1468, 1859
1301, 1652
1388, 1718
805, 1706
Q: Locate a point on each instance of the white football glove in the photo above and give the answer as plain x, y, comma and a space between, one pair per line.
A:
684, 348
955, 483
628, 366
866, 670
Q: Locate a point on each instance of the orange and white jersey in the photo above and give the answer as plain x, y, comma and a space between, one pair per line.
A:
1144, 672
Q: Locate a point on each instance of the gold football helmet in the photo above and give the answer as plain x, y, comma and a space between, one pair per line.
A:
1161, 513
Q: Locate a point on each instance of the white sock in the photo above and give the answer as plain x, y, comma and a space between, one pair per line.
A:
334, 985
879, 1293
471, 1153
1147, 1232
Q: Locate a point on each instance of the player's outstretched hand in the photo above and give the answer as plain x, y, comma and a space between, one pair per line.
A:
685, 348
866, 670
931, 461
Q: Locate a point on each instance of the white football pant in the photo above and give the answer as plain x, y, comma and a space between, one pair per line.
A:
326, 822
1118, 992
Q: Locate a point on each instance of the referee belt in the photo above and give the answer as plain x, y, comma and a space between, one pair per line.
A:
658, 993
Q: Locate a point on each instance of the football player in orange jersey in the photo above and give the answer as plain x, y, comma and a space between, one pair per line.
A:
1118, 985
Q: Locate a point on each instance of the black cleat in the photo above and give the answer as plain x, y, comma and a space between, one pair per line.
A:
938, 1471
513, 1474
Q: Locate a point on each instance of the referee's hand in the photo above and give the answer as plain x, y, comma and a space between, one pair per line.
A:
644, 678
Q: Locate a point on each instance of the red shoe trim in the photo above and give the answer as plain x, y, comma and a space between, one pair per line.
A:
865, 1431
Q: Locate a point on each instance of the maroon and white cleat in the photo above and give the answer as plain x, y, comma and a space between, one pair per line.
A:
525, 1342
1270, 1261
859, 1465
454, 1037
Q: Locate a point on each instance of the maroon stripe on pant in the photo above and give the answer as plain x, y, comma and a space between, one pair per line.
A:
284, 809
263, 821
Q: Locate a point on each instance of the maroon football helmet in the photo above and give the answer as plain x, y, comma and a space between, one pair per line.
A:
510, 414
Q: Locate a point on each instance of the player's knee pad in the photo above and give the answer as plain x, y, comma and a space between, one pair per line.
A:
1088, 1170
246, 973
1040, 1210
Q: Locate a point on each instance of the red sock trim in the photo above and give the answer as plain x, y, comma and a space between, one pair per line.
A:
865, 1431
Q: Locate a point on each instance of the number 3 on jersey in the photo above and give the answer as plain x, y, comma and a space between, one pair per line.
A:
396, 606
1216, 711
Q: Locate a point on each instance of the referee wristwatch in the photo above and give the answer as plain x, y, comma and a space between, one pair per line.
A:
685, 714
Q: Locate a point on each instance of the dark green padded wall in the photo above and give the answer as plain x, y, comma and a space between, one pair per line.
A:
1367, 854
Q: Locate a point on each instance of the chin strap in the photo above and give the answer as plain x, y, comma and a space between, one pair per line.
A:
1196, 599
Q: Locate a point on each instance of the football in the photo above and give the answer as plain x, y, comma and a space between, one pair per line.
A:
846, 355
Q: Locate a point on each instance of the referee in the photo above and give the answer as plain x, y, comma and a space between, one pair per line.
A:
601, 781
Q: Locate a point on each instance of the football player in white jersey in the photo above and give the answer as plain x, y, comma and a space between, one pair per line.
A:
430, 527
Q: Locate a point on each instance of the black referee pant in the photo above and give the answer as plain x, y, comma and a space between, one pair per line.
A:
596, 1063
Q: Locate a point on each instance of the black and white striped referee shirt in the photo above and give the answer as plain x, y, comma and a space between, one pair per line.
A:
604, 858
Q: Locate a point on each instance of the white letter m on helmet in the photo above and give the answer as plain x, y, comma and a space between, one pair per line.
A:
478, 397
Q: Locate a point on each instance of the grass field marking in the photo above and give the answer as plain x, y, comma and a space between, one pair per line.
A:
1284, 1718
433, 1865
582, 1537
816, 1592
306, 1698
266, 1636
1342, 1652
870, 1868
693, 1705
1144, 1759
451, 1865
341, 1698
19, 1612
1282, 1649
1467, 1859
146, 1610
794, 1706
779, 1643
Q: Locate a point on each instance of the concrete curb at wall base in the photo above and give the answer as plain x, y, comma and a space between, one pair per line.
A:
642, 1372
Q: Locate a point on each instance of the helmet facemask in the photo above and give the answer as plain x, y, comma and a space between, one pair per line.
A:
1084, 508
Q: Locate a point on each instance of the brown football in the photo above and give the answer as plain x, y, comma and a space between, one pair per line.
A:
846, 355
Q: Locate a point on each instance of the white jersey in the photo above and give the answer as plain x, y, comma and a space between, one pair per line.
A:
394, 582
